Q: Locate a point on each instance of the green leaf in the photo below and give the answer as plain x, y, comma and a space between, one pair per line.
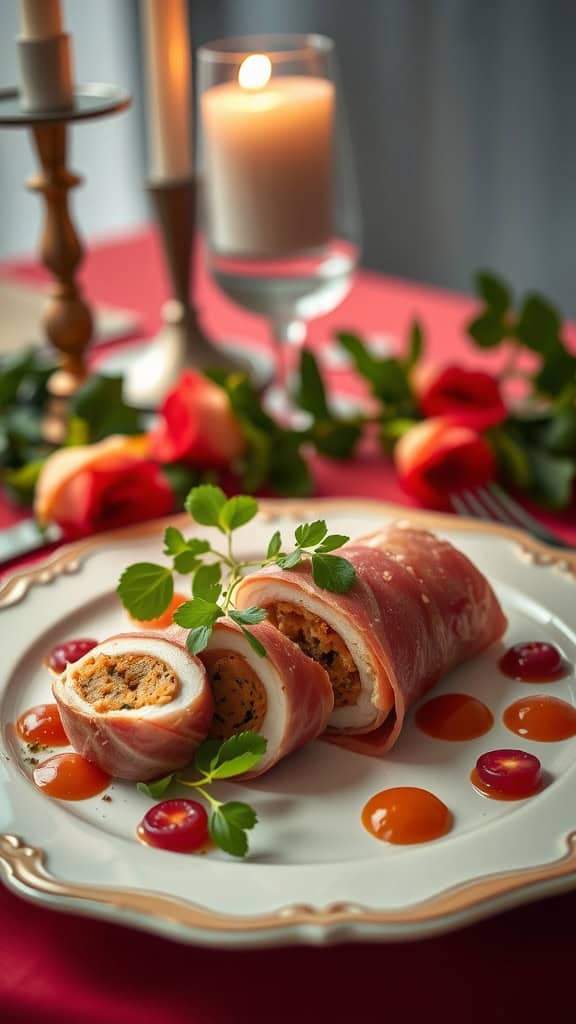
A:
289, 561
196, 613
186, 562
274, 545
309, 534
157, 787
538, 325
22, 481
512, 456
553, 478
238, 754
248, 616
415, 345
198, 638
558, 370
364, 361
205, 754
559, 435
100, 404
207, 582
239, 814
335, 540
494, 292
333, 573
390, 432
487, 330
254, 642
336, 438
146, 590
205, 503
13, 372
237, 511
311, 394
288, 471
78, 433
226, 834
174, 541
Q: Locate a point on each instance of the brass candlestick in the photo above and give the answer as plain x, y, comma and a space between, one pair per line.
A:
67, 319
181, 342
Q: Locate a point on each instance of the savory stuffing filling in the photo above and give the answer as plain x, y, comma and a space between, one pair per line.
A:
124, 682
321, 643
240, 700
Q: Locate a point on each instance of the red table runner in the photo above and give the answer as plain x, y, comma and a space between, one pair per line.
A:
59, 969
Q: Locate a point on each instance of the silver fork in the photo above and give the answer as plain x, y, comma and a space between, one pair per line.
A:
492, 503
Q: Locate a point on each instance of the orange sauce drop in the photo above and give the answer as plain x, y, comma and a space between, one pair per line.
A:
70, 777
405, 815
42, 724
494, 794
454, 716
541, 718
163, 621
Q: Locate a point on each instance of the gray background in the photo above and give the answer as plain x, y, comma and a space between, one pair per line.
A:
461, 116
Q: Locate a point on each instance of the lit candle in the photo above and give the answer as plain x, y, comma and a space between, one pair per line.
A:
268, 160
40, 19
168, 80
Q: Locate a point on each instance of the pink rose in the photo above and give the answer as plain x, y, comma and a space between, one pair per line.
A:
438, 457
197, 425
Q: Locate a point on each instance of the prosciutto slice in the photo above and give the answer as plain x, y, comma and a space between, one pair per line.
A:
284, 696
418, 608
135, 705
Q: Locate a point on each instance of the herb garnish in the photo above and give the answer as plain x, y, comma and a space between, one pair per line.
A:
217, 760
146, 589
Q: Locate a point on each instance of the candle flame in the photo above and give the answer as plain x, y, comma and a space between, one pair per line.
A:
255, 71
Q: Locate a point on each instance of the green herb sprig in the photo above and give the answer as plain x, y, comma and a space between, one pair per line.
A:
215, 761
146, 589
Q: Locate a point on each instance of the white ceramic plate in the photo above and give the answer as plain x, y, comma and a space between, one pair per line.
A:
314, 874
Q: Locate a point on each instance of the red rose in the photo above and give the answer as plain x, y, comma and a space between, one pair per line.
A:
439, 457
469, 397
101, 486
197, 425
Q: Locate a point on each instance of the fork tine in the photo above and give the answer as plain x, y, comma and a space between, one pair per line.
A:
460, 505
518, 516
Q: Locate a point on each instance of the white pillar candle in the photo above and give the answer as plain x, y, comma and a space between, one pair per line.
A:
268, 161
168, 82
40, 19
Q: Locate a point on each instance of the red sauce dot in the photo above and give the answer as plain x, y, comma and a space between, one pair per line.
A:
70, 777
544, 719
534, 662
405, 815
42, 724
62, 654
454, 716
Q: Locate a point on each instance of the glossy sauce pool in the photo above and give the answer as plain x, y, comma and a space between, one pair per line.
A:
405, 815
70, 777
541, 718
42, 724
534, 662
454, 716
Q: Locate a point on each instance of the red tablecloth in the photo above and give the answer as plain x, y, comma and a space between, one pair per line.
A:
61, 970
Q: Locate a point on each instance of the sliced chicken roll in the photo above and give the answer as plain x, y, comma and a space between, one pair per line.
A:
418, 608
284, 696
136, 705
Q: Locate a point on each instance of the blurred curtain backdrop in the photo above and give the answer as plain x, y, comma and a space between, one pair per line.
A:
464, 143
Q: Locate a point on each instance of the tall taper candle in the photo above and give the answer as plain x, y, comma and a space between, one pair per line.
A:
40, 19
168, 82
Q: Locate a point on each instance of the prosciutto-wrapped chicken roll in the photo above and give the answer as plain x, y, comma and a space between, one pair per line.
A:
285, 696
418, 608
136, 705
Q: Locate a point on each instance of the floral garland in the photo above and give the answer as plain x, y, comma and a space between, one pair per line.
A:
446, 428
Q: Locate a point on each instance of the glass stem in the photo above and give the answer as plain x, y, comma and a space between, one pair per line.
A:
288, 336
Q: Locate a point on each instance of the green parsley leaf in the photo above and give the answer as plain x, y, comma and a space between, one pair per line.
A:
494, 291
274, 545
157, 787
311, 394
205, 754
254, 642
205, 503
207, 582
289, 561
239, 814
335, 540
333, 573
237, 511
226, 834
185, 562
174, 541
309, 534
248, 616
146, 590
197, 612
248, 743
198, 638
